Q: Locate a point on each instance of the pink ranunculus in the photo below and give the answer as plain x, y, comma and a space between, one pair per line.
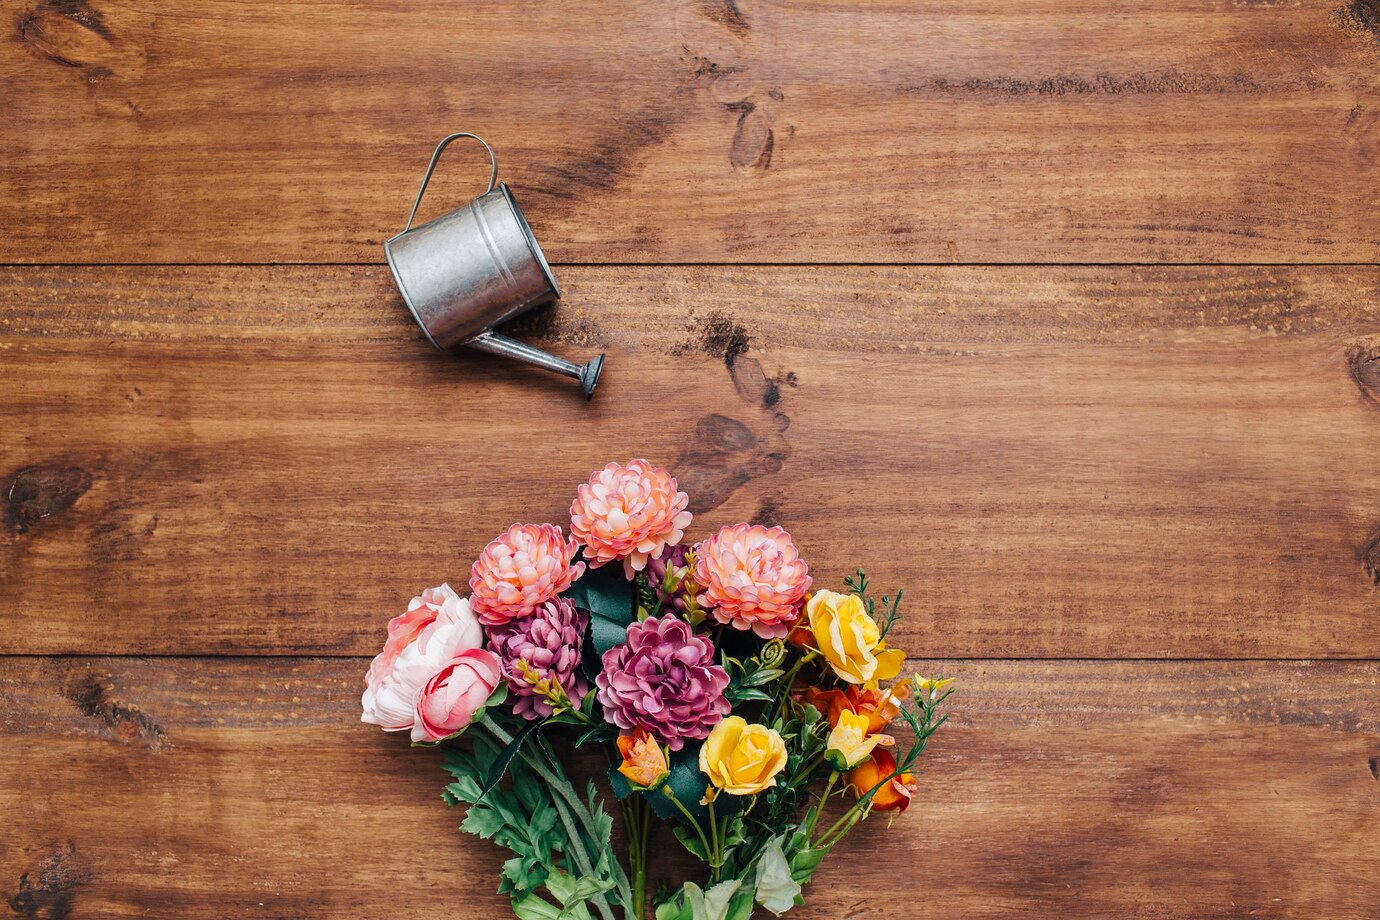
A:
753, 577
523, 568
449, 700
630, 513
438, 626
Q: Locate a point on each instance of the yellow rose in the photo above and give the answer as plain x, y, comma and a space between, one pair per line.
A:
850, 640
849, 744
742, 759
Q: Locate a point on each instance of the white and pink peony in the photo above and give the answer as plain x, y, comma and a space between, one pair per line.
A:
436, 646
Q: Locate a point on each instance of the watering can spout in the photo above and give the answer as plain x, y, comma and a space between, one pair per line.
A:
587, 374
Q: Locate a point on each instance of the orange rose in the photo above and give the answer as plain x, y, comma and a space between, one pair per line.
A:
895, 795
880, 706
644, 762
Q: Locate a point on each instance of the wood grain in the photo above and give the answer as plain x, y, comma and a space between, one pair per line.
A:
693, 131
1055, 462
243, 787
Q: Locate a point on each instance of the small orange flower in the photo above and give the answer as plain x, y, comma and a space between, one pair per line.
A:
644, 762
880, 706
895, 795
801, 637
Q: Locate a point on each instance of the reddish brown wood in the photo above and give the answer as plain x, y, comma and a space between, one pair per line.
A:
216, 787
694, 131
1055, 462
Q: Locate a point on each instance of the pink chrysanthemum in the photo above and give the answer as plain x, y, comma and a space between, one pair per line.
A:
753, 577
525, 567
663, 678
628, 512
543, 647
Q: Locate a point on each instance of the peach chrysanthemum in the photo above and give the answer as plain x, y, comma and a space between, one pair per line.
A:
526, 566
628, 512
753, 577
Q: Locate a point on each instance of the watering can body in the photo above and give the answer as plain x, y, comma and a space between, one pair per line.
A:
471, 269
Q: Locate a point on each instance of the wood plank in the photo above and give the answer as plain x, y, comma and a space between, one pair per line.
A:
221, 787
690, 130
1056, 462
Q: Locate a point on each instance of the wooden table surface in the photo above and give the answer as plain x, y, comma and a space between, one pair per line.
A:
1064, 315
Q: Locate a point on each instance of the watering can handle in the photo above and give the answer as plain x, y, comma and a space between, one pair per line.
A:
431, 167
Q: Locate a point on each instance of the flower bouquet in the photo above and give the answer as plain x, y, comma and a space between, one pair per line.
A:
733, 706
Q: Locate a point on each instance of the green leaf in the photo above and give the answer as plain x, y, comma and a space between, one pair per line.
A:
621, 787
570, 890
605, 634
505, 757
743, 694
691, 841
482, 821
776, 887
763, 676
605, 593
611, 601
531, 907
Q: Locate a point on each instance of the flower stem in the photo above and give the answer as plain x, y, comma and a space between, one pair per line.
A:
704, 841
813, 818
789, 678
716, 857
636, 819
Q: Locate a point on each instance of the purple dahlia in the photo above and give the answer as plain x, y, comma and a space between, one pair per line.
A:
663, 678
539, 649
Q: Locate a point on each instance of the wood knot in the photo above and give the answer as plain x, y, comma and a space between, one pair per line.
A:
74, 34
1364, 366
1360, 17
92, 695
753, 140
49, 891
37, 492
1370, 558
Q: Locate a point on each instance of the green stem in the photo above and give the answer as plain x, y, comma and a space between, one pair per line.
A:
716, 858
635, 819
813, 818
843, 826
704, 841
789, 678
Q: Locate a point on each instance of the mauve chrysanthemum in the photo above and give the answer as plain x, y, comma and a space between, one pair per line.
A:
753, 577
662, 677
549, 641
526, 566
630, 513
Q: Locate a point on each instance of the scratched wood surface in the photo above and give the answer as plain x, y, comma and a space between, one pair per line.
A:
242, 787
1055, 461
1134, 496
698, 130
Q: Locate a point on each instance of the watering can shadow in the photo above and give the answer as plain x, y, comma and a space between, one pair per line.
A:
469, 270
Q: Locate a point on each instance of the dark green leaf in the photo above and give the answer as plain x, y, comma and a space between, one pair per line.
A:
604, 634
688, 784
606, 594
505, 757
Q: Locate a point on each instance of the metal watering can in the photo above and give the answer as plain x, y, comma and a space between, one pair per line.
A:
467, 271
